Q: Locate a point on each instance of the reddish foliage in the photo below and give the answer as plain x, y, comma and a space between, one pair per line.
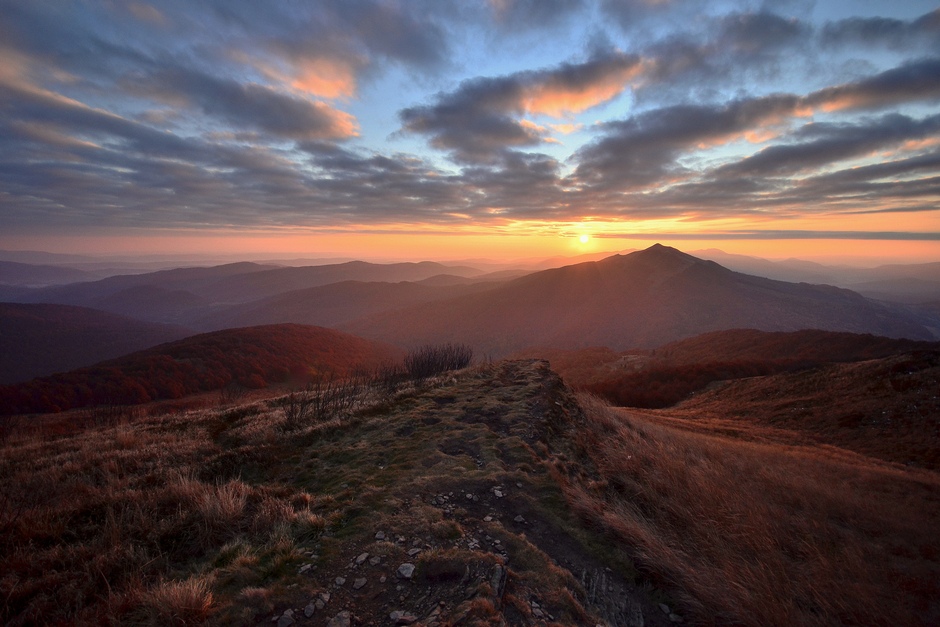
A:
251, 357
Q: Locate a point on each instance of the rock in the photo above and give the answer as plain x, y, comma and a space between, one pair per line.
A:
400, 617
361, 559
413, 552
375, 560
498, 494
310, 609
343, 619
469, 497
383, 579
286, 619
675, 618
359, 583
665, 609
519, 519
304, 569
380, 535
406, 570
340, 581
487, 519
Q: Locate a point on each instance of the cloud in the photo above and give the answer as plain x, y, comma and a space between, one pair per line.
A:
527, 14
252, 105
824, 144
909, 82
891, 33
644, 150
483, 117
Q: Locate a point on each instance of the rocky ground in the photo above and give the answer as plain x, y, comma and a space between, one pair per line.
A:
453, 516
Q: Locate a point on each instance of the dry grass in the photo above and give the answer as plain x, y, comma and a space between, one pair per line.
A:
757, 534
121, 523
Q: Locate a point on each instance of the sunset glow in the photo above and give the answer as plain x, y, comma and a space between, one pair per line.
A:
503, 129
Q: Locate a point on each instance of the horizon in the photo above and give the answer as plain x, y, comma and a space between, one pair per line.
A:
505, 129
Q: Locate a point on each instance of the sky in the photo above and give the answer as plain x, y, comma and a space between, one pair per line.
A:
487, 128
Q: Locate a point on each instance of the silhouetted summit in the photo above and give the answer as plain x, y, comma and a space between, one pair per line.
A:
643, 299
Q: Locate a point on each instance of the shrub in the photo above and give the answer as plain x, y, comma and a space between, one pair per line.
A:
428, 361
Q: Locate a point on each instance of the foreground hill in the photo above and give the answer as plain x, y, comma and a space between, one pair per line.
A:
38, 340
489, 496
644, 299
887, 408
250, 357
777, 350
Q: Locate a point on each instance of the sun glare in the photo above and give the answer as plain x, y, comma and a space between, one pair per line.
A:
584, 239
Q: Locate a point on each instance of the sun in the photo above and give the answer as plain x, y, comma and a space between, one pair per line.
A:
584, 239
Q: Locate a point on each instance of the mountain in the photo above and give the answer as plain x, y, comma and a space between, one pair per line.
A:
185, 294
334, 304
250, 357
905, 283
38, 340
32, 275
644, 299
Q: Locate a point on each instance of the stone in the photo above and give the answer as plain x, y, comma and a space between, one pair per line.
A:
665, 609
343, 619
359, 583
413, 552
400, 617
675, 618
286, 619
310, 609
383, 579
498, 494
375, 560
380, 535
406, 570
519, 519
304, 569
361, 559
340, 581
487, 519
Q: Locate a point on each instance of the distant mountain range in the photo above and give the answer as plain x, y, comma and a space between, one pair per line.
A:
644, 299
38, 340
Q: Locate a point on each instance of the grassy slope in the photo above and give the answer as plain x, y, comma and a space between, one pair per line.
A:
212, 515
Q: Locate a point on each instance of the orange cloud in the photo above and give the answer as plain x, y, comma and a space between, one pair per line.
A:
326, 78
317, 76
341, 125
558, 98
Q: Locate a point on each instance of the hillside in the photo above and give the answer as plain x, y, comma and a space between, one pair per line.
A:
492, 495
39, 340
186, 294
644, 299
34, 275
249, 357
333, 304
666, 375
887, 408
